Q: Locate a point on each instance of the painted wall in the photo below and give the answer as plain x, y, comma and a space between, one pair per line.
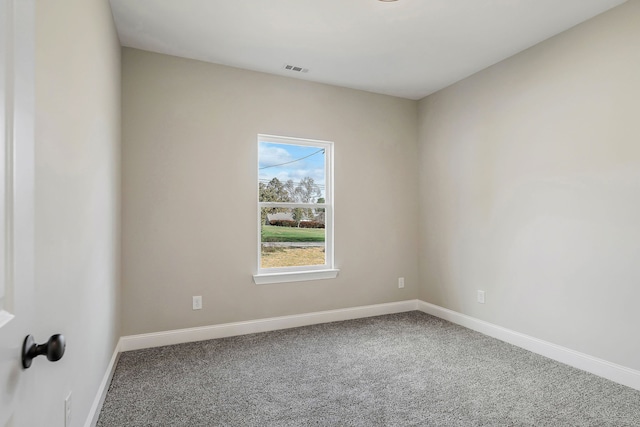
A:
189, 192
77, 148
530, 190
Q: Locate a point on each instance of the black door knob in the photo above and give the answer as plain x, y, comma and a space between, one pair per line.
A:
53, 349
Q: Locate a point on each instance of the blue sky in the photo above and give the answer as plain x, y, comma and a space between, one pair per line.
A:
271, 154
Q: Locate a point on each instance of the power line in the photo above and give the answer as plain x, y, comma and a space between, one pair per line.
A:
292, 161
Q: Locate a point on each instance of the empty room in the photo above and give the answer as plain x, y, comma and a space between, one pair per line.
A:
320, 212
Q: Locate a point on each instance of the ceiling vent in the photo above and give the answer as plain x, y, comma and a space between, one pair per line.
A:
296, 68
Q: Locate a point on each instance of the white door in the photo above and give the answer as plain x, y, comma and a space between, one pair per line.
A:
16, 208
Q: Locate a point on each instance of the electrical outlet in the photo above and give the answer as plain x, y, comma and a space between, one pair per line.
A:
197, 302
67, 411
400, 282
481, 297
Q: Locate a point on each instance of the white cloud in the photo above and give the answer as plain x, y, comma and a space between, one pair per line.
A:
270, 155
316, 174
272, 159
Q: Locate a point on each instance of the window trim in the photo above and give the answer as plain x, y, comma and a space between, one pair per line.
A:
302, 273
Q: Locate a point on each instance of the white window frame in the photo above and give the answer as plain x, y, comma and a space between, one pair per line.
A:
302, 273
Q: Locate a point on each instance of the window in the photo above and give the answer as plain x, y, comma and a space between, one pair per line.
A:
295, 210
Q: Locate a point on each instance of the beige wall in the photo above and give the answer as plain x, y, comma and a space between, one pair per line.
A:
77, 141
527, 177
189, 192
530, 190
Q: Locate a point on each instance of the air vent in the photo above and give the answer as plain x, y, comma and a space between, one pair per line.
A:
295, 68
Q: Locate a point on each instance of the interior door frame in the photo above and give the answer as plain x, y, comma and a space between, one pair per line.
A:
23, 209
6, 150
17, 216
17, 206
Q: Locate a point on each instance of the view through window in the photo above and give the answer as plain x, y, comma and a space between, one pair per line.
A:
295, 207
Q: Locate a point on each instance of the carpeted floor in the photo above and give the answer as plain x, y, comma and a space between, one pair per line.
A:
408, 369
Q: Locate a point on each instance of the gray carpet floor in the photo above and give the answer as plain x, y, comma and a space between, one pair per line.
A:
408, 369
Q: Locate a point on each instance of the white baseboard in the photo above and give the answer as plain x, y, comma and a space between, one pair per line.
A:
602, 368
94, 412
611, 371
157, 339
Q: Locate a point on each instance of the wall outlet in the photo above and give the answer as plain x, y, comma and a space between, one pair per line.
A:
197, 303
67, 411
481, 297
400, 282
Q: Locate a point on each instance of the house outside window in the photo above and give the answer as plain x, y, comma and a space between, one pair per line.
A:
295, 210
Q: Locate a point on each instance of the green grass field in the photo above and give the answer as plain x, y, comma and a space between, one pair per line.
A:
272, 233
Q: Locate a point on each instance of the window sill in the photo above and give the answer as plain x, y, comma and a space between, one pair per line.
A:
295, 276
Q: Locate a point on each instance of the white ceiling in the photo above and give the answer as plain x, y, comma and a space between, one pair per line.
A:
408, 48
